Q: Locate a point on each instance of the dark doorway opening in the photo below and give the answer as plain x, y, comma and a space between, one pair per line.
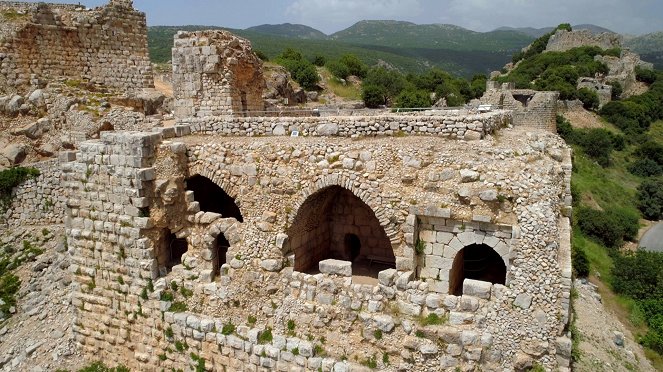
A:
213, 198
352, 246
221, 249
171, 251
478, 262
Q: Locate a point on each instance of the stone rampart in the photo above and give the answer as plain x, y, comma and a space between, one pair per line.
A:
186, 250
107, 45
40, 201
529, 108
461, 125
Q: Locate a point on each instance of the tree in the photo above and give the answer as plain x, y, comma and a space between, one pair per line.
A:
413, 98
338, 69
589, 99
355, 66
598, 145
381, 81
374, 95
650, 198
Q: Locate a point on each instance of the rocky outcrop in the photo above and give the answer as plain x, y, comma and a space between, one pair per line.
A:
564, 40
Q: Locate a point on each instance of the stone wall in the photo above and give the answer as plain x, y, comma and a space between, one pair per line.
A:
128, 189
215, 73
564, 40
107, 45
39, 201
529, 108
457, 125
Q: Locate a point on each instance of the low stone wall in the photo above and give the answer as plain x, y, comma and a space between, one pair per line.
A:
39, 201
461, 126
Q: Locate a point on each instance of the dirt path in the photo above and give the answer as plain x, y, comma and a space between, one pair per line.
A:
163, 87
597, 326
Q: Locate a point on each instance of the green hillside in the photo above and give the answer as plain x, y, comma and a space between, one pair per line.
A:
450, 48
650, 47
434, 36
290, 30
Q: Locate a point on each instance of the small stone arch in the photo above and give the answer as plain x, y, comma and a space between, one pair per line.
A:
221, 236
205, 170
334, 222
478, 262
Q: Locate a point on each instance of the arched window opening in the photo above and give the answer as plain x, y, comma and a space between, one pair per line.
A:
213, 198
478, 262
221, 247
334, 223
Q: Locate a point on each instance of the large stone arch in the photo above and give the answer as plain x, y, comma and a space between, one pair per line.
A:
366, 196
334, 222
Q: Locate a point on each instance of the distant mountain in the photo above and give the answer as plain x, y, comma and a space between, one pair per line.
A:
538, 32
398, 34
650, 47
289, 30
406, 46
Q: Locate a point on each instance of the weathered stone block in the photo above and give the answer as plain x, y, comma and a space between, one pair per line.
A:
477, 288
337, 267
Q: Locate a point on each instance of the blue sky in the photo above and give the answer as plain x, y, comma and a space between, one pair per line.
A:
624, 16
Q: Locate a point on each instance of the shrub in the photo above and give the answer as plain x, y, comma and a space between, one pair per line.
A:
260, 54
606, 227
589, 98
645, 168
10, 178
338, 69
650, 198
580, 262
228, 329
617, 90
645, 75
639, 275
374, 96
319, 60
597, 143
265, 336
651, 150
355, 66
413, 99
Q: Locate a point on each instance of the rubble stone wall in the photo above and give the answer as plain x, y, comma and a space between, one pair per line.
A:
257, 311
463, 125
107, 45
39, 201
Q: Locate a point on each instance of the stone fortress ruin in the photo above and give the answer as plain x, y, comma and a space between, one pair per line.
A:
431, 241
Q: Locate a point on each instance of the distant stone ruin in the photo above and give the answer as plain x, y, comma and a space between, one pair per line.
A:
564, 40
530, 108
215, 73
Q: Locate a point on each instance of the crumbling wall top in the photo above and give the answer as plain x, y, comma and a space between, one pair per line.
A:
564, 40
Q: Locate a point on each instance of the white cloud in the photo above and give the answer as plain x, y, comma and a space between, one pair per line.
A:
331, 15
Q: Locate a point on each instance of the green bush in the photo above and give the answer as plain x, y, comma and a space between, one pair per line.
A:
101, 367
355, 66
589, 98
374, 96
645, 75
610, 227
617, 90
650, 150
338, 69
319, 60
645, 168
413, 99
260, 54
639, 275
597, 143
301, 70
10, 178
580, 262
650, 198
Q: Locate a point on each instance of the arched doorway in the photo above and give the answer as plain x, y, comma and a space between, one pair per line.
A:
334, 223
213, 198
478, 262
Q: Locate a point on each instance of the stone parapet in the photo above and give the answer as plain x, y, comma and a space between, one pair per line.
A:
461, 126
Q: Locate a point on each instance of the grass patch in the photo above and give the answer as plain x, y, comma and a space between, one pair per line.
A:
334, 85
656, 131
433, 319
178, 307
599, 260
